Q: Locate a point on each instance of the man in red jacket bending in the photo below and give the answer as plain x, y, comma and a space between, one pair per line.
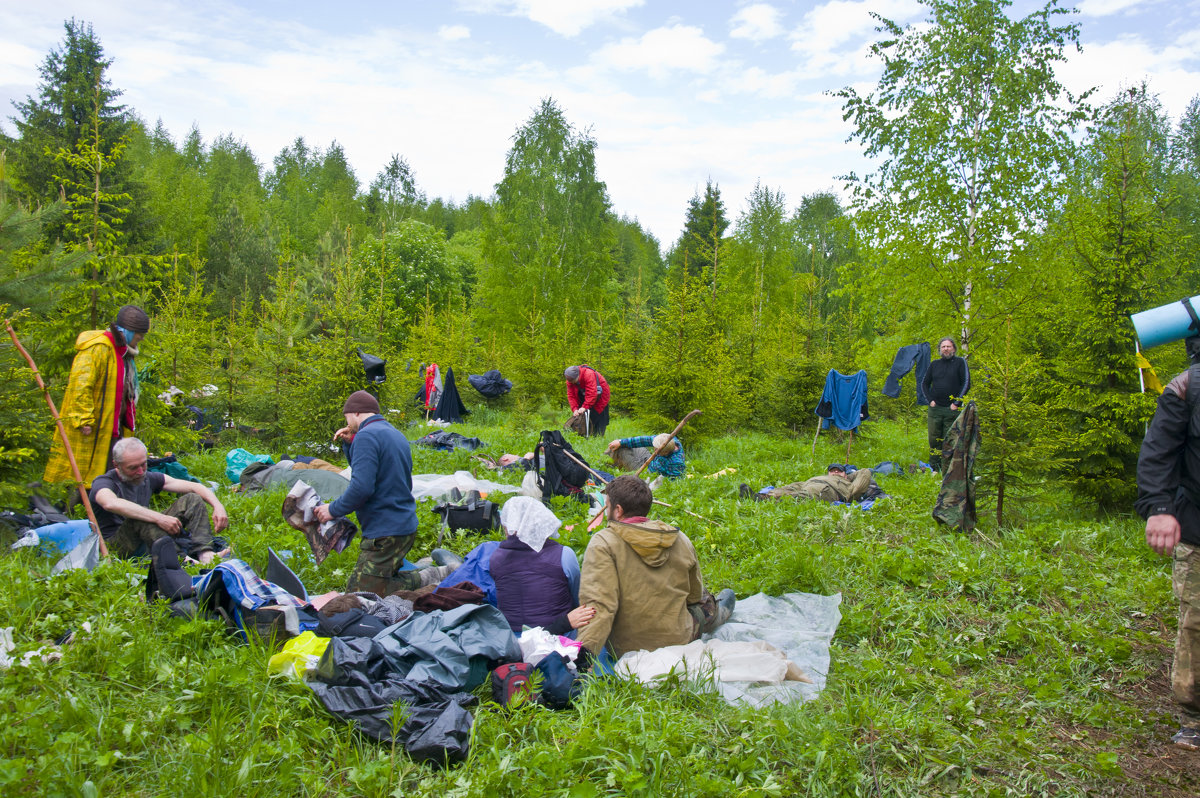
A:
587, 391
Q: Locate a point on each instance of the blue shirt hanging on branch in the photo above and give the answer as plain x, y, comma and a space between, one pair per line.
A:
844, 400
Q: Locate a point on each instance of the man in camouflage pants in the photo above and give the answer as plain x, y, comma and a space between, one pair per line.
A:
380, 494
1169, 499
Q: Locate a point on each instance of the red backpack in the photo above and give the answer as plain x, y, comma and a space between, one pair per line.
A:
510, 680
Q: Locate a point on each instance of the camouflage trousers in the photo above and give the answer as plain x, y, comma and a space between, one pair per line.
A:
1185, 670
378, 561
135, 537
938, 422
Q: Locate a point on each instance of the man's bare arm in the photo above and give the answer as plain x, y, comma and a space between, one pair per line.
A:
127, 509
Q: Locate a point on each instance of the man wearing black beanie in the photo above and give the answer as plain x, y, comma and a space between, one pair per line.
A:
380, 494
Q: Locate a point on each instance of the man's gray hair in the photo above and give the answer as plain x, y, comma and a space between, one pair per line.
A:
953, 343
126, 445
571, 373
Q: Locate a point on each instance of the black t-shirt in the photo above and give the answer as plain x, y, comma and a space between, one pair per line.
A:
139, 493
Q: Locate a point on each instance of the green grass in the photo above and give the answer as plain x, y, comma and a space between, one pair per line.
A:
1011, 662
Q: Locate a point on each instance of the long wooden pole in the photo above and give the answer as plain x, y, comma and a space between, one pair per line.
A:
598, 476
657, 451
62, 434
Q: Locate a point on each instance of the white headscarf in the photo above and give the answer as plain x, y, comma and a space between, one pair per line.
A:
530, 521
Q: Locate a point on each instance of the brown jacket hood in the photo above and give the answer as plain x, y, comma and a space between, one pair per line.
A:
650, 539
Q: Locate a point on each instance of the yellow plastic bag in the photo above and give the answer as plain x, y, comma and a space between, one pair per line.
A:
298, 655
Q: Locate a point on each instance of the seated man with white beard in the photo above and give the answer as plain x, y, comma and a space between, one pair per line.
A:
121, 499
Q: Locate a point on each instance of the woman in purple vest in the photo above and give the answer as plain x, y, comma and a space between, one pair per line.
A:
537, 579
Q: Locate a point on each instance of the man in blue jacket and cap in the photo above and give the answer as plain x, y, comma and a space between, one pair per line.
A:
380, 493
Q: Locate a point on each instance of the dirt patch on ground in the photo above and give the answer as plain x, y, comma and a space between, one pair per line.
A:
1152, 765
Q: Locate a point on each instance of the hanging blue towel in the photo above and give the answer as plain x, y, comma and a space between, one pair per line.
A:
844, 400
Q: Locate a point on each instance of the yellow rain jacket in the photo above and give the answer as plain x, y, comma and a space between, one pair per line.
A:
92, 398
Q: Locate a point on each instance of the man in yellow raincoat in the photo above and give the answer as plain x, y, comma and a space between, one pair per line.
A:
101, 397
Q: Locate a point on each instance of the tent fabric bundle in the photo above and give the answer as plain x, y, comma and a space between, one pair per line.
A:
323, 538
490, 383
844, 400
449, 404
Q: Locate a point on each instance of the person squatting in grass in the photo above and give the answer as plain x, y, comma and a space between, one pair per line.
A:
587, 393
629, 454
1168, 476
946, 383
101, 397
380, 494
642, 577
833, 486
122, 501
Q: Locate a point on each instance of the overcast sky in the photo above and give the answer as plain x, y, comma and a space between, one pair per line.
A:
673, 92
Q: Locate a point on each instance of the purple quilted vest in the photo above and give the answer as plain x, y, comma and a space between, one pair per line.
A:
531, 588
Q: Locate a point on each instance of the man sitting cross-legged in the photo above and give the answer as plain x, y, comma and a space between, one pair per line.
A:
122, 503
643, 579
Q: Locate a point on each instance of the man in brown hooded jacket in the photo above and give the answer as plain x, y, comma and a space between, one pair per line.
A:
643, 579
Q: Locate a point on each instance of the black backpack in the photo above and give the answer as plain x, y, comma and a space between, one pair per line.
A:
557, 474
471, 511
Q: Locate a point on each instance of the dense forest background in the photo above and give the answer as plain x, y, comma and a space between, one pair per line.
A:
1024, 221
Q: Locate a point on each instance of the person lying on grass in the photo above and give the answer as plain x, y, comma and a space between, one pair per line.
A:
122, 502
834, 486
643, 578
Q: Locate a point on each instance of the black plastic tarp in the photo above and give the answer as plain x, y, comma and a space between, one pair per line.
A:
490, 383
354, 683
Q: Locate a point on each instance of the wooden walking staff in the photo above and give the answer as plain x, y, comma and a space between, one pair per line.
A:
62, 434
597, 475
596, 518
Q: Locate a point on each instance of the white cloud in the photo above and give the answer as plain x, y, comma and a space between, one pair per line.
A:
1103, 8
564, 17
453, 33
756, 22
1172, 72
834, 36
678, 48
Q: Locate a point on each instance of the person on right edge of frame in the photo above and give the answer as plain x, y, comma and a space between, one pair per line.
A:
1168, 478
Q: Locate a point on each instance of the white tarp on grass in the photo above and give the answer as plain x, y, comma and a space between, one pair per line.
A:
800, 625
427, 486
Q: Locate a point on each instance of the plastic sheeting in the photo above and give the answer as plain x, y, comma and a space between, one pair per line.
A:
427, 486
354, 684
717, 660
451, 648
801, 625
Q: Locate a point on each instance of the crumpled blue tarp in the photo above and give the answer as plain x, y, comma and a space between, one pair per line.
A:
451, 648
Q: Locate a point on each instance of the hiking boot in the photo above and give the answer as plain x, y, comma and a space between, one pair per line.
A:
744, 491
1187, 737
434, 574
446, 557
726, 600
